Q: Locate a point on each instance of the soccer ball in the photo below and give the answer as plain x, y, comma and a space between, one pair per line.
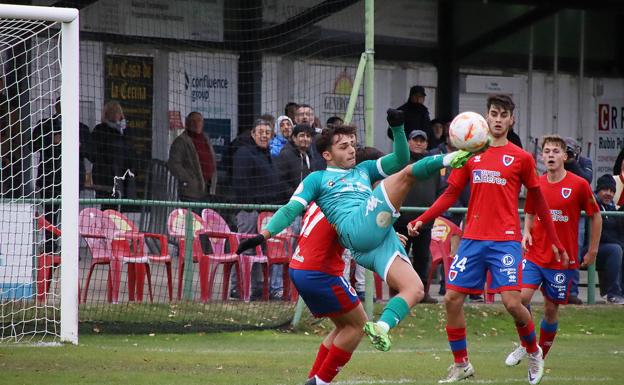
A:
469, 131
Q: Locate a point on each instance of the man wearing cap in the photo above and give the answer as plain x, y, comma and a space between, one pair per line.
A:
611, 248
416, 114
581, 166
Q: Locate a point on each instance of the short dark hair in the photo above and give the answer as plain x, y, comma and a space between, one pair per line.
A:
334, 120
502, 101
260, 122
290, 105
304, 106
555, 139
325, 140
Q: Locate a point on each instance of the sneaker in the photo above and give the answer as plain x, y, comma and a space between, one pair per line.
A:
457, 373
476, 298
574, 301
379, 338
615, 300
536, 366
516, 356
311, 381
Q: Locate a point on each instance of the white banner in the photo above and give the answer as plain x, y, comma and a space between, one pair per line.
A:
16, 250
609, 135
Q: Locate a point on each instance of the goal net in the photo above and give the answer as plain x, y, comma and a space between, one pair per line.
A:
34, 68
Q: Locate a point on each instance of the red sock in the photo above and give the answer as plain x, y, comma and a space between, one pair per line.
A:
547, 336
457, 342
527, 335
334, 362
320, 357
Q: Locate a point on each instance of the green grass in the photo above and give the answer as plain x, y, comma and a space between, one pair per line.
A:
589, 350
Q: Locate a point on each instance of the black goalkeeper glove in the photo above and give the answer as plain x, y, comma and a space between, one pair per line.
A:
249, 243
395, 117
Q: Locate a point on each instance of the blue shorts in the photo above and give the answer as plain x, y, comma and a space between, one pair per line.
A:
368, 225
326, 295
475, 258
555, 284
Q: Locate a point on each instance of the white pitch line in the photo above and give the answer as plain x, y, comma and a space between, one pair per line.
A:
473, 381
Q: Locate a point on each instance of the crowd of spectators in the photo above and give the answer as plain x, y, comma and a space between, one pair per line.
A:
265, 163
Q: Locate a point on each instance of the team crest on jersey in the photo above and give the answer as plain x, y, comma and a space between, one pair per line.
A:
560, 278
507, 160
565, 192
452, 275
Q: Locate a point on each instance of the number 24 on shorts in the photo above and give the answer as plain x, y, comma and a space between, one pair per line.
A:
459, 264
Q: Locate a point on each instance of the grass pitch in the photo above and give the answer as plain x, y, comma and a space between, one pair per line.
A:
589, 350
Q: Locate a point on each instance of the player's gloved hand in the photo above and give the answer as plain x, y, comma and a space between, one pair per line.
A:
456, 159
395, 117
250, 243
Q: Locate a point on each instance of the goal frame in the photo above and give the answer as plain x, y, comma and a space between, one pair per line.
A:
70, 70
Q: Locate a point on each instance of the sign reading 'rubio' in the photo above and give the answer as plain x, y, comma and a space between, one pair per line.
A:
609, 135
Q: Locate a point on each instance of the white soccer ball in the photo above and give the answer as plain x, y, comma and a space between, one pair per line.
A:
469, 131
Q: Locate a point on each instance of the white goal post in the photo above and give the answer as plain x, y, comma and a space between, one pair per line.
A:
69, 95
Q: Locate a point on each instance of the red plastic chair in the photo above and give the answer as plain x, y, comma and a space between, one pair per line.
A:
279, 250
46, 262
138, 271
216, 225
442, 232
208, 263
108, 247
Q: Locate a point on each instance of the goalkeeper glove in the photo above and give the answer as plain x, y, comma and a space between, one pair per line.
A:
250, 243
395, 118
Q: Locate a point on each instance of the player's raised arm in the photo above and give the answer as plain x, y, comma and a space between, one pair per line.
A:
399, 157
305, 193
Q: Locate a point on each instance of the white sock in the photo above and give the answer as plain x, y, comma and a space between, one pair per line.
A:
447, 158
384, 326
320, 382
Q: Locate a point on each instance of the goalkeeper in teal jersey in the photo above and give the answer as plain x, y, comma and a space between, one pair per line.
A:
363, 216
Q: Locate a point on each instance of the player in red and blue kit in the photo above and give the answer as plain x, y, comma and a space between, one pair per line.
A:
567, 195
316, 271
491, 239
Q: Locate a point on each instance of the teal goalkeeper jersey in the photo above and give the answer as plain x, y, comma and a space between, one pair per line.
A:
338, 192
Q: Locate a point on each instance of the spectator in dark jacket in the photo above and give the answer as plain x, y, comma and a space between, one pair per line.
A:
256, 180
416, 114
422, 195
611, 249
113, 165
294, 162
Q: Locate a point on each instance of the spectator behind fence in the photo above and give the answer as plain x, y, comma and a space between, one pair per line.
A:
192, 161
610, 251
335, 120
421, 196
46, 140
290, 110
439, 133
293, 162
514, 138
283, 131
113, 165
305, 115
416, 114
256, 181
618, 176
581, 166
